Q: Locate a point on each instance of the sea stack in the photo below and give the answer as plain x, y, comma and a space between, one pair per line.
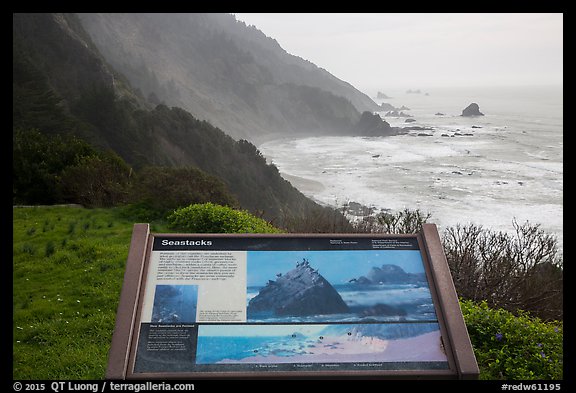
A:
371, 124
472, 110
300, 292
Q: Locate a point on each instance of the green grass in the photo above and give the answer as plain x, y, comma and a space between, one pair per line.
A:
68, 268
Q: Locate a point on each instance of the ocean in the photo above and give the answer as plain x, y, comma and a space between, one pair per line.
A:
489, 170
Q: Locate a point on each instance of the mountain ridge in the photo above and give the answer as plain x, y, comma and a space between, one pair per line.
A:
223, 71
62, 85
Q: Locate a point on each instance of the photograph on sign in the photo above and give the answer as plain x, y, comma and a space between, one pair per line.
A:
418, 344
175, 304
281, 305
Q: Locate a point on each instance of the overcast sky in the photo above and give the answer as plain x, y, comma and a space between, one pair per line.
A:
378, 50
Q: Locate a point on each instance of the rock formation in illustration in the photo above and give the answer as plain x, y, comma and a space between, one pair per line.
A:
301, 291
389, 274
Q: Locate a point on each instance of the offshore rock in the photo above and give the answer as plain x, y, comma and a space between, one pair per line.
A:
371, 124
301, 291
381, 309
395, 113
390, 274
472, 110
387, 107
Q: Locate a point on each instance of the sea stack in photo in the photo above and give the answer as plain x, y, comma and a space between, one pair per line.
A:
472, 110
301, 291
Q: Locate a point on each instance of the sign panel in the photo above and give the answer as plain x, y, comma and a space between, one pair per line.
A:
278, 305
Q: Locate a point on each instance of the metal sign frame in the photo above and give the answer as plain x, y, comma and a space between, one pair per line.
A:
460, 359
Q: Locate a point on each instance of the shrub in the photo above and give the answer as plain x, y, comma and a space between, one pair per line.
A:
519, 271
513, 347
211, 218
404, 221
320, 220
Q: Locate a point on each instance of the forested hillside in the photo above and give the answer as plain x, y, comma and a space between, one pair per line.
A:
223, 71
107, 133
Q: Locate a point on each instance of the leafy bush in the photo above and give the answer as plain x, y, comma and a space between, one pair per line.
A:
211, 218
513, 347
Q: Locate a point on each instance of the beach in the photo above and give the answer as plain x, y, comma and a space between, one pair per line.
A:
337, 349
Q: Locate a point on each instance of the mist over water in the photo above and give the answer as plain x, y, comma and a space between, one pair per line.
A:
488, 170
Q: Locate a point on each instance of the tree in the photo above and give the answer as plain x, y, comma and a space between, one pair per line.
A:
38, 161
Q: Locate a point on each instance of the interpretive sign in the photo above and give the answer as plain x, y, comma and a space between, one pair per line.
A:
250, 305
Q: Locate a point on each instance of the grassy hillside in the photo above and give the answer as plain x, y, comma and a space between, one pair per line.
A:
68, 268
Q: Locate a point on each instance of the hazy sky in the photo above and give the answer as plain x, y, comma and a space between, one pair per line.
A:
378, 50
